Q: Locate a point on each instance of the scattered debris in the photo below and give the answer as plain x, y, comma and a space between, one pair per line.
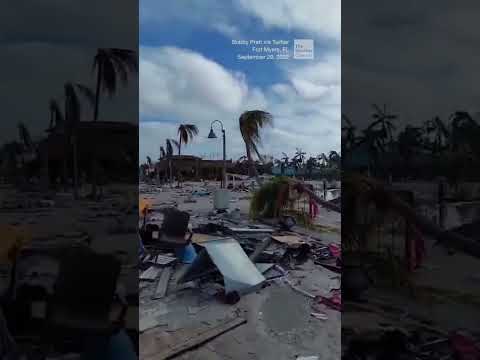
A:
201, 337
319, 316
231, 255
150, 274
162, 285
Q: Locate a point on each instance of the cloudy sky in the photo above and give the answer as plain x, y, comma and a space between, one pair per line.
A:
189, 73
418, 57
45, 43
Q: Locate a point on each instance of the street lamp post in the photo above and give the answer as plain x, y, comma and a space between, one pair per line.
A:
212, 135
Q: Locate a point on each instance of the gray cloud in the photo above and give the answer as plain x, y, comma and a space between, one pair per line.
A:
417, 57
46, 43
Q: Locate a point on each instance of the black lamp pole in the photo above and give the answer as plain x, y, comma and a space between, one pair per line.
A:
212, 135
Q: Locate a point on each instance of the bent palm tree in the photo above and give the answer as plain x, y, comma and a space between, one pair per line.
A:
186, 132
170, 143
111, 65
250, 124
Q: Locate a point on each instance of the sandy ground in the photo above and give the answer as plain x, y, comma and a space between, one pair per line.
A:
279, 323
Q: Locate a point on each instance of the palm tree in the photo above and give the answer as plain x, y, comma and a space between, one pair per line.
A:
349, 138
29, 149
72, 120
334, 159
298, 159
383, 121
162, 153
56, 121
186, 132
170, 143
300, 156
111, 65
56, 116
374, 140
440, 135
311, 164
323, 160
25, 138
250, 124
285, 161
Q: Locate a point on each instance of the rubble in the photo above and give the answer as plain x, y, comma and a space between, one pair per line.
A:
236, 260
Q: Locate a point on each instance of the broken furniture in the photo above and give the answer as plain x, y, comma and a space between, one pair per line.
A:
171, 233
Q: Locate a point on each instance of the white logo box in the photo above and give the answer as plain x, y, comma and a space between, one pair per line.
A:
303, 49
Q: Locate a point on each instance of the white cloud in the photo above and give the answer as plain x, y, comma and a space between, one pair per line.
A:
320, 79
227, 29
170, 77
183, 86
319, 17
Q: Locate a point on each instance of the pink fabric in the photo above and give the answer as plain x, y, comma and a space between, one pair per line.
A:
335, 250
334, 301
464, 347
313, 209
415, 249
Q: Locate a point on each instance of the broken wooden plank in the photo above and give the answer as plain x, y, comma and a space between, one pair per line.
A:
162, 260
292, 241
150, 274
201, 238
252, 230
162, 285
198, 339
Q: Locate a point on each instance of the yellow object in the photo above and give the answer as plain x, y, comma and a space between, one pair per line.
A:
13, 238
143, 204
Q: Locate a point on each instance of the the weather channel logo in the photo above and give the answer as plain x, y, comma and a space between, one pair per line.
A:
303, 49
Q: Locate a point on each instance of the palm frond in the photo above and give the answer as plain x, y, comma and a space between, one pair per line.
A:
250, 124
87, 93
57, 118
187, 132
72, 105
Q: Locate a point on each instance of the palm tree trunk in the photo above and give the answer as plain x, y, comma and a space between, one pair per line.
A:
253, 170
426, 226
95, 118
311, 194
65, 158
179, 152
75, 167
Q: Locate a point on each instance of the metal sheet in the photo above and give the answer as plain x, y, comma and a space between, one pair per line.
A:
226, 254
264, 267
239, 273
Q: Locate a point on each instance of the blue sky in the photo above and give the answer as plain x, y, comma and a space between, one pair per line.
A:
189, 73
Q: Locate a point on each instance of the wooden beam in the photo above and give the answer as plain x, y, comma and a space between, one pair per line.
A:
162, 285
201, 337
150, 274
